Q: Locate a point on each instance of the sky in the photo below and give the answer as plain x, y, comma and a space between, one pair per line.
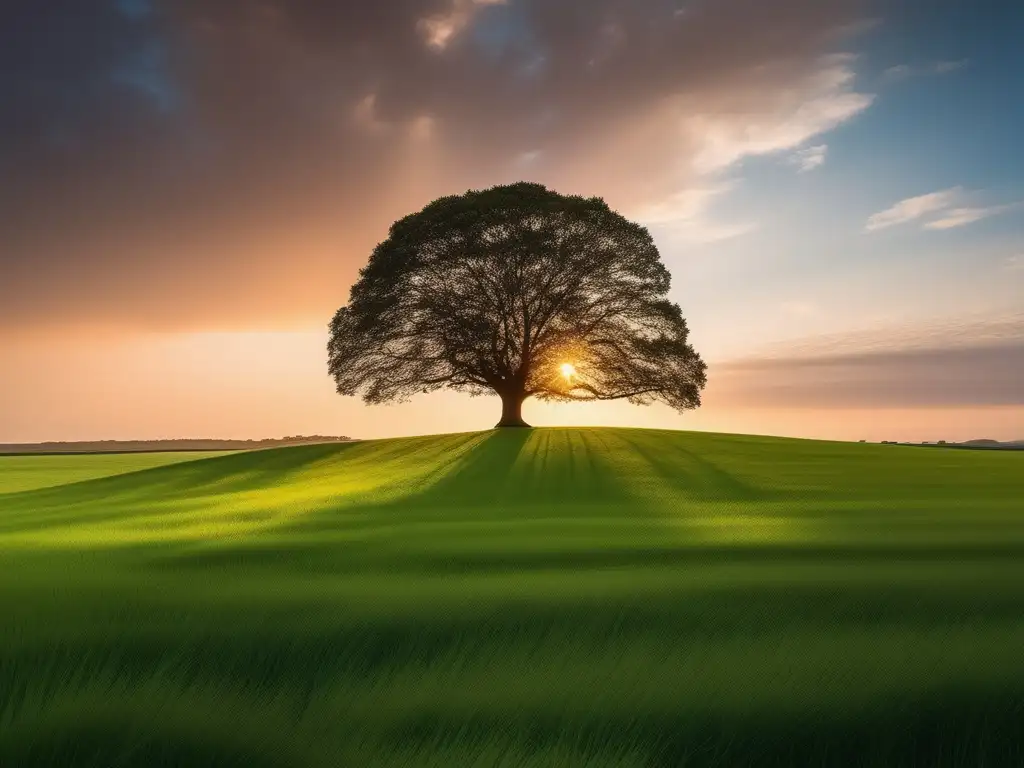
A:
188, 190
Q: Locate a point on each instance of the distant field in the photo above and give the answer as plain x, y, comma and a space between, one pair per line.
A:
549, 597
28, 472
23, 473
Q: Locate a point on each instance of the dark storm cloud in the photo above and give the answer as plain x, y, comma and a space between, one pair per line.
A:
223, 161
988, 374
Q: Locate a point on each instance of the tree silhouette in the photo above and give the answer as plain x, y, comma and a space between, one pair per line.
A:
519, 291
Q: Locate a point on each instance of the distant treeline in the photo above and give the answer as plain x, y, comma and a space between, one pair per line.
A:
184, 444
982, 445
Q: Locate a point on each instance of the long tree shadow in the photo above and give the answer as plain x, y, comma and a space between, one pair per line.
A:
482, 474
694, 476
106, 498
539, 467
542, 474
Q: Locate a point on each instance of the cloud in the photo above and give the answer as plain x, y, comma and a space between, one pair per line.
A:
898, 72
938, 377
438, 31
300, 130
772, 123
686, 216
943, 205
810, 158
980, 329
823, 100
529, 158
960, 363
1015, 263
913, 208
961, 217
905, 71
942, 67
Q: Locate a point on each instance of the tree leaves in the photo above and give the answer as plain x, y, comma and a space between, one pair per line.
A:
494, 290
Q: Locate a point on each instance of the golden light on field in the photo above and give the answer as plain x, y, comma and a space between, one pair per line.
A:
568, 370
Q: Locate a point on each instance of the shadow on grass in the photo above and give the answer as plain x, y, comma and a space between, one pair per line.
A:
692, 475
113, 743
106, 498
511, 467
667, 550
947, 728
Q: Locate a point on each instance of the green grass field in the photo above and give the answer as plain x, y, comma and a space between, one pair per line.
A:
26, 472
548, 597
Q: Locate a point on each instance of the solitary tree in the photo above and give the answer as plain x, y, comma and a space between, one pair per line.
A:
519, 291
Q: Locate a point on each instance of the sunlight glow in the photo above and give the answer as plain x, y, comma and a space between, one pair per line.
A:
568, 370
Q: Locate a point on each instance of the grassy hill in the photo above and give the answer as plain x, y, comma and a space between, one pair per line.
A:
25, 473
550, 597
155, 446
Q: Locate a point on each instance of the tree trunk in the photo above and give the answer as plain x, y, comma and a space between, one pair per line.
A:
511, 410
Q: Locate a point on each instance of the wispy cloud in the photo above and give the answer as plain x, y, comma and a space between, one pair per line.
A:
529, 158
961, 217
775, 124
1015, 263
810, 158
882, 335
943, 67
825, 100
937, 377
945, 209
959, 363
913, 208
686, 215
904, 71
899, 72
439, 30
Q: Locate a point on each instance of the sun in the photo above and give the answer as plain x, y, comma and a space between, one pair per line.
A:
568, 370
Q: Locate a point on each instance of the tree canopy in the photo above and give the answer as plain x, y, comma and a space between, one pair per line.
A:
518, 291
